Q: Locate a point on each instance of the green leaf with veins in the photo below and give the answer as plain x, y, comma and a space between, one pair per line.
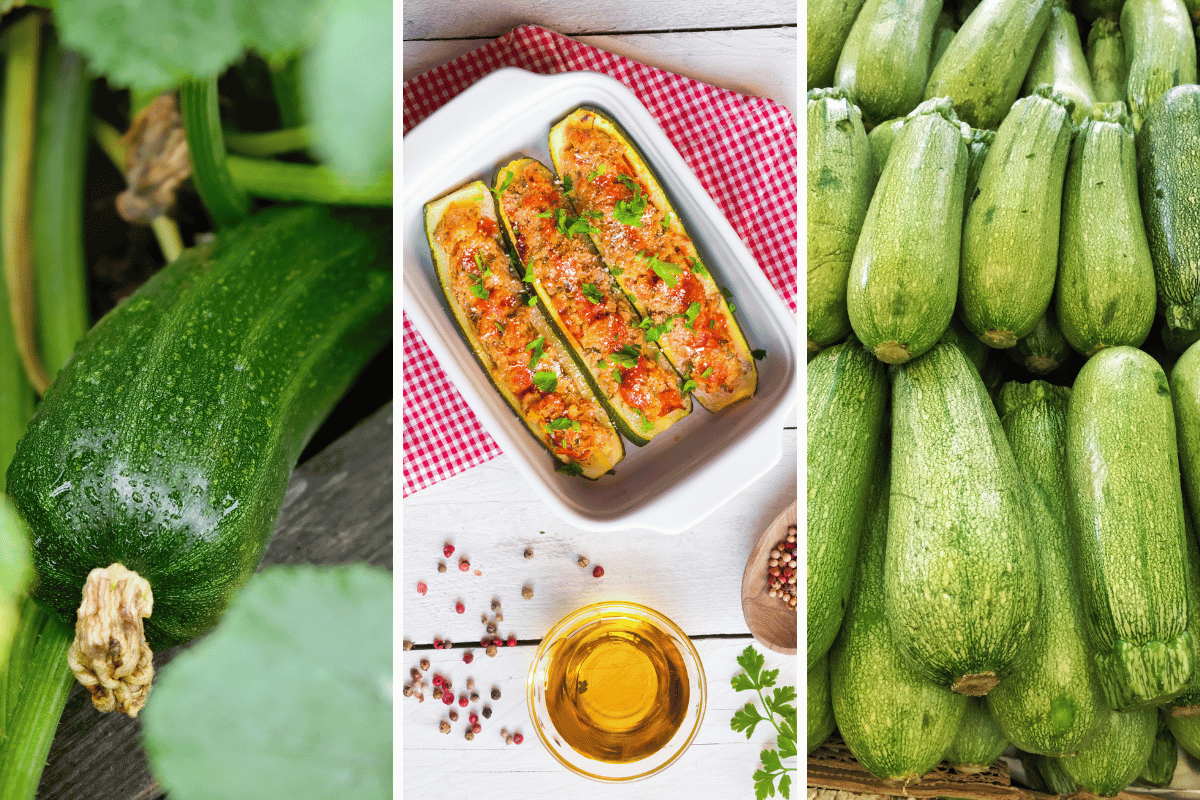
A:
291, 695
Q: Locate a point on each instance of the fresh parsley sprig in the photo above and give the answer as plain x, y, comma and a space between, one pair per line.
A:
780, 713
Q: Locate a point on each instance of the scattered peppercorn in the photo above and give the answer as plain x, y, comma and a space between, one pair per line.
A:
446, 684
408, 690
485, 641
438, 680
508, 739
527, 592
463, 564
491, 650
504, 731
416, 673
583, 562
441, 566
462, 701
499, 617
437, 693
491, 627
470, 683
408, 644
483, 619
495, 692
437, 644
498, 642
517, 738
474, 697
512, 640
529, 552
468, 657
476, 728
598, 572
453, 715
448, 550
459, 607
470, 736
487, 712
473, 718
444, 727
477, 572
424, 665
421, 587
495, 604
448, 698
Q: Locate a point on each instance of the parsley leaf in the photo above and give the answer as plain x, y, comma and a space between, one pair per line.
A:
688, 387
615, 270
478, 290
666, 270
592, 293
627, 356
698, 267
691, 314
566, 183
759, 355
666, 221
706, 373
629, 212
508, 176
532, 301
570, 468
781, 715
596, 173
537, 350
562, 424
545, 380
654, 333
728, 295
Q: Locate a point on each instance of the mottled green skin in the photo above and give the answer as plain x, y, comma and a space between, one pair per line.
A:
1060, 63
1187, 733
820, 707
1105, 285
961, 584
1188, 702
167, 441
979, 740
1010, 234
884, 63
1106, 60
847, 396
829, 23
904, 277
1164, 756
1044, 348
1185, 392
1160, 51
1126, 517
1051, 701
1115, 753
895, 720
1168, 167
986, 62
840, 182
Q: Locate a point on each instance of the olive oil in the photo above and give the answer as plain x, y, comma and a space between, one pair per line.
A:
617, 688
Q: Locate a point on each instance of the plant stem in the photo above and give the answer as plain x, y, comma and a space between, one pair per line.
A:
317, 184
60, 271
285, 79
170, 242
269, 144
20, 104
770, 714
227, 204
44, 682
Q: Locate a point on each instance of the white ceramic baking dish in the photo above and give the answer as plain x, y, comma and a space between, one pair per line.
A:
701, 462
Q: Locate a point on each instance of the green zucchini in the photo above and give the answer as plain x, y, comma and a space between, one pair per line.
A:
847, 395
943, 33
1105, 285
1186, 731
1060, 63
986, 62
1159, 770
959, 519
1044, 349
1106, 61
638, 388
977, 152
1051, 701
884, 63
1094, 10
648, 249
820, 705
904, 276
166, 443
1010, 235
829, 23
881, 138
976, 351
895, 720
1168, 166
840, 182
1127, 524
520, 352
978, 742
1048, 771
1185, 389
1160, 51
1115, 753
1187, 703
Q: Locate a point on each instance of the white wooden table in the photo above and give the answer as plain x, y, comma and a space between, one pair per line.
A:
491, 515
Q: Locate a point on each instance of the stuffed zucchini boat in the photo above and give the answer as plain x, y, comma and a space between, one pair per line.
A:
645, 245
519, 350
640, 390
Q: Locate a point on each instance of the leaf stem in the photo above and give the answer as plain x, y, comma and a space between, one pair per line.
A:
227, 204
43, 682
268, 144
277, 180
20, 108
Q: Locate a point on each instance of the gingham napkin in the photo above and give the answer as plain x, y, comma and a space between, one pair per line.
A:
742, 149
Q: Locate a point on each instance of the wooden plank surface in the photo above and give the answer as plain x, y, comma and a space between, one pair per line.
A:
338, 510
433, 19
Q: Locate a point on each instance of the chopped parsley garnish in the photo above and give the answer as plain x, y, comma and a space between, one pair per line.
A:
545, 380
478, 290
616, 376
666, 270
499, 326
654, 332
698, 267
532, 301
691, 314
596, 173
570, 468
688, 387
566, 183
528, 277
567, 225
729, 299
508, 176
647, 425
666, 221
562, 424
547, 214
537, 350
615, 270
759, 355
592, 213
592, 293
706, 373
627, 356
629, 212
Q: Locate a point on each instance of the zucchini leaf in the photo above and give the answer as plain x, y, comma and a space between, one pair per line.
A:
290, 696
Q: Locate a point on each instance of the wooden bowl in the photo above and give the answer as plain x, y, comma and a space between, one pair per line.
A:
772, 623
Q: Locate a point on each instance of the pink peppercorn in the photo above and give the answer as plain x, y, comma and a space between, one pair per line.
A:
459, 607
512, 640
437, 644
596, 573
463, 700
473, 718
464, 565
448, 698
476, 728
448, 550
468, 657
518, 738
485, 641
421, 587
438, 680
498, 642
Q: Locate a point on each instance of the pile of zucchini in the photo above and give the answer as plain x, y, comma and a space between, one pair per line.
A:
1001, 549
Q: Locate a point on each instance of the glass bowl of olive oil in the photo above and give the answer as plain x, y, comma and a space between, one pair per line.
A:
616, 691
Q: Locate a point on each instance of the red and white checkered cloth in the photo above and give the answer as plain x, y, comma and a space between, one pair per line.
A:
742, 149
